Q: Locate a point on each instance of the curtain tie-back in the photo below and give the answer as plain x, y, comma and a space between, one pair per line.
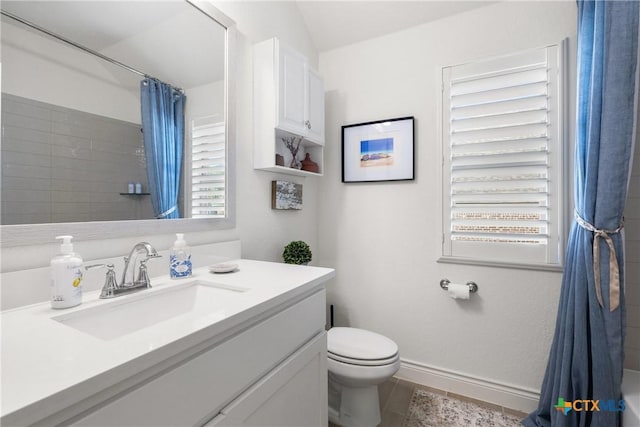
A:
614, 270
167, 212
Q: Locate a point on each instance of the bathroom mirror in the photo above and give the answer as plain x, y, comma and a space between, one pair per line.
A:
72, 140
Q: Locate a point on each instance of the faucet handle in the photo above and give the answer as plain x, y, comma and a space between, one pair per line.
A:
92, 266
143, 276
110, 282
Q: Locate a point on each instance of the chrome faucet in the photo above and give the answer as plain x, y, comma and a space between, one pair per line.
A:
142, 278
140, 281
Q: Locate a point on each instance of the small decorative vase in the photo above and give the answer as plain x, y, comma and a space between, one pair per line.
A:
309, 165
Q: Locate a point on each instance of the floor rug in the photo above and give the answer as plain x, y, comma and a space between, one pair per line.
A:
435, 410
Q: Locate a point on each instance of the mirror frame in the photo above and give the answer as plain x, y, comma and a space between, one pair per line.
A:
28, 234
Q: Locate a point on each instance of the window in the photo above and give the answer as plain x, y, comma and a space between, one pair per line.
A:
208, 189
502, 159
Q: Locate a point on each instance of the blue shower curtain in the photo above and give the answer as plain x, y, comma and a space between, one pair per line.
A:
163, 134
587, 354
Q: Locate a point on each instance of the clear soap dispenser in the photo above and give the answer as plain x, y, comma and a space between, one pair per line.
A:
180, 258
66, 276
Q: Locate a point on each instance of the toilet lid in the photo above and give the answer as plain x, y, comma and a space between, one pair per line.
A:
359, 344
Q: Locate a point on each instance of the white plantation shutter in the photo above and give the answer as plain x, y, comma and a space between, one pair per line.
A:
208, 165
502, 144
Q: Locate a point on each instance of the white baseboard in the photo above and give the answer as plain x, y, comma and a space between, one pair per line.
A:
508, 396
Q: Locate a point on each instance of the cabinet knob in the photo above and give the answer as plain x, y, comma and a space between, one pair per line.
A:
308, 124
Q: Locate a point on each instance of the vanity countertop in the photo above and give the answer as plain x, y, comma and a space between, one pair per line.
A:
47, 365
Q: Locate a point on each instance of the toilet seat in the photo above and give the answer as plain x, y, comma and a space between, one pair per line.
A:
360, 347
363, 362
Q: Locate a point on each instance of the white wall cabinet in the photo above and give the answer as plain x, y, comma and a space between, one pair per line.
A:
291, 79
273, 373
315, 107
288, 103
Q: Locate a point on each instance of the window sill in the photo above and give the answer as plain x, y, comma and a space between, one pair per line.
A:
484, 263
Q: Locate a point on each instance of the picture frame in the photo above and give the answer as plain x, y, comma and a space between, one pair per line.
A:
286, 195
378, 151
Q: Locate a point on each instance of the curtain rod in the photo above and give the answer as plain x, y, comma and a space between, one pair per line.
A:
78, 46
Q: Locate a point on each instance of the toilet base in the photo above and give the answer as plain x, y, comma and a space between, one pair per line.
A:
358, 406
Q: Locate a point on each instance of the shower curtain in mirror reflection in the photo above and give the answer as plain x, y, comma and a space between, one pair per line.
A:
163, 134
587, 355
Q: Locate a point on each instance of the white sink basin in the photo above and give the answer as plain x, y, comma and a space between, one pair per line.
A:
131, 313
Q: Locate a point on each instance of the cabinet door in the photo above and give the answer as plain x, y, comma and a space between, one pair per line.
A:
315, 108
293, 394
203, 385
291, 91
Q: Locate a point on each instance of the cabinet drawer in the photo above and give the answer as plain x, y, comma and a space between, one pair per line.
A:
293, 394
198, 389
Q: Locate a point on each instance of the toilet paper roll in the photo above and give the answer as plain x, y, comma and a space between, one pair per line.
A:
458, 291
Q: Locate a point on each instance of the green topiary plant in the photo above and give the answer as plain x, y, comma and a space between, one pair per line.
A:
297, 252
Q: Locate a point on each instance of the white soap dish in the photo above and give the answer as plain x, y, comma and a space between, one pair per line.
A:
223, 267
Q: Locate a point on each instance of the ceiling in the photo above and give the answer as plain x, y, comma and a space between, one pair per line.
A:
146, 35
92, 23
333, 24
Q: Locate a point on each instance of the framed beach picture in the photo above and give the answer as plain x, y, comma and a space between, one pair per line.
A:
378, 151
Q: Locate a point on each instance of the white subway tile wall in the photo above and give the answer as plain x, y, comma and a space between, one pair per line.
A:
63, 165
632, 265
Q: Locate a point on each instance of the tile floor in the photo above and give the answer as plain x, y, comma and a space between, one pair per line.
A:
395, 396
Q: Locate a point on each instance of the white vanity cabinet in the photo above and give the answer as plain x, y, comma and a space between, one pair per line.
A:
288, 102
271, 373
245, 348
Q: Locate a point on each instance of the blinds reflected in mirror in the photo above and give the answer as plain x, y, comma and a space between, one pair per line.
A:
501, 131
208, 158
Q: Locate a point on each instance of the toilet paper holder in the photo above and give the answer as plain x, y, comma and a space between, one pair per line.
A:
444, 284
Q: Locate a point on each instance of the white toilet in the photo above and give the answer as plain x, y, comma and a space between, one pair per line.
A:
358, 361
